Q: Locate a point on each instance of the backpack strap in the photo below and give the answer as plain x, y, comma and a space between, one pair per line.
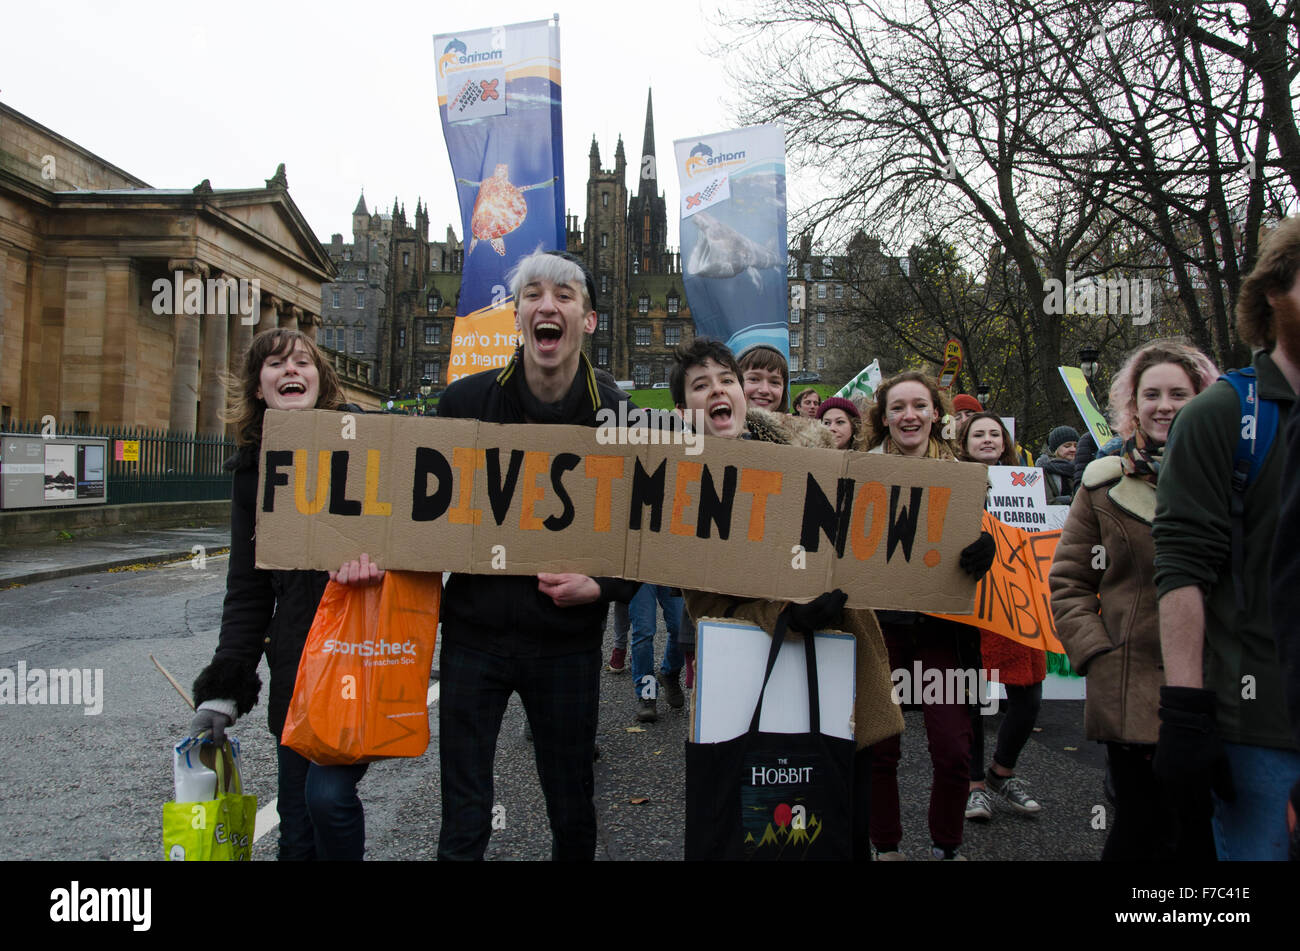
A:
1258, 426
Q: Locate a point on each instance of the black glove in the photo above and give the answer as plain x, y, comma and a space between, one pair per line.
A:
821, 612
210, 721
1189, 754
977, 557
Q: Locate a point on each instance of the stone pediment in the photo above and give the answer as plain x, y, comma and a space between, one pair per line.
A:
272, 214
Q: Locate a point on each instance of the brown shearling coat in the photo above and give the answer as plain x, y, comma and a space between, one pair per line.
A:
1115, 642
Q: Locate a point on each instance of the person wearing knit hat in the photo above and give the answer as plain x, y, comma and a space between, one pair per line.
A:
1062, 441
965, 406
842, 418
1058, 465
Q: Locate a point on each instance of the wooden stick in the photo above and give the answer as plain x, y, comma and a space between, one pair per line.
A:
172, 680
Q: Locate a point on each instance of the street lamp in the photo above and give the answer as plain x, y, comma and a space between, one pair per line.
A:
1088, 363
425, 386
982, 394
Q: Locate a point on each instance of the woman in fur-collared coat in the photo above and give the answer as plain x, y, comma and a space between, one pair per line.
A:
1104, 605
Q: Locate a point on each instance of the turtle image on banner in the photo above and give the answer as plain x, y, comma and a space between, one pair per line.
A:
499, 102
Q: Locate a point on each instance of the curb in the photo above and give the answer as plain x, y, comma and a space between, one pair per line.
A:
90, 568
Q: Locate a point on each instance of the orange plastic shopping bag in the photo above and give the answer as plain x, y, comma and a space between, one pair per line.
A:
363, 681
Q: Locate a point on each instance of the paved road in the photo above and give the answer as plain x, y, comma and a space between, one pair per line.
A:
92, 787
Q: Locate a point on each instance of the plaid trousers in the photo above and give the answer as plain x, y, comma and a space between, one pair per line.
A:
561, 696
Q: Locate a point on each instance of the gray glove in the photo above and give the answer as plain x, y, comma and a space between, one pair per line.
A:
213, 722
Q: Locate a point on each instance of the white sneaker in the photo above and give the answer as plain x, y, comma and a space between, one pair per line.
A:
979, 806
1015, 791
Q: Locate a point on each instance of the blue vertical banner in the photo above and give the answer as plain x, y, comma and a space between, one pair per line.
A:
499, 101
733, 236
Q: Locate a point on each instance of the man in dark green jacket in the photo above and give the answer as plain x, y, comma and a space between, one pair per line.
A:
1223, 714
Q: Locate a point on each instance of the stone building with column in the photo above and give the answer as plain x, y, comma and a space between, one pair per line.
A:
122, 304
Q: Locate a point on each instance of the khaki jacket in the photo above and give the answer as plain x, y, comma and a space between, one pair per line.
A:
1106, 551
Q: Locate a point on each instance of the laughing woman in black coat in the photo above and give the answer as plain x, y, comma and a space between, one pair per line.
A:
270, 612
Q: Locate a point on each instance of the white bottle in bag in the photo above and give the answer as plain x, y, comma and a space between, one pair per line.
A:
194, 781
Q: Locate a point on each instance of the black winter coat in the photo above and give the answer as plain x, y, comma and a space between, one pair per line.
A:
506, 614
264, 612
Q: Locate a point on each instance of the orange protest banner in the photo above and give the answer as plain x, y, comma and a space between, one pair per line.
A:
483, 340
1013, 599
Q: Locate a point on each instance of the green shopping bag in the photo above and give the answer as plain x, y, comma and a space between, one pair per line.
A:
218, 830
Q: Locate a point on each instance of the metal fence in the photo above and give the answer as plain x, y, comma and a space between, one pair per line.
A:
173, 466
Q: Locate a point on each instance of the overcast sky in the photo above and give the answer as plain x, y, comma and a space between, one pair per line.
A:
343, 93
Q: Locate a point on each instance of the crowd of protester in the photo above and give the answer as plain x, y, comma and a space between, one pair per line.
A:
1160, 591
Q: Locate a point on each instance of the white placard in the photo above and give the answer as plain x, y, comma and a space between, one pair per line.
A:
1017, 497
730, 659
1010, 423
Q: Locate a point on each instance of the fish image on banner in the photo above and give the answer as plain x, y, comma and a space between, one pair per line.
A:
499, 102
733, 236
722, 252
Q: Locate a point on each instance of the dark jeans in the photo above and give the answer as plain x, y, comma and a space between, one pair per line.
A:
321, 816
1148, 825
561, 697
1018, 719
941, 645
686, 632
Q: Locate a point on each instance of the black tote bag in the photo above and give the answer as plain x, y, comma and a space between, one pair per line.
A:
772, 796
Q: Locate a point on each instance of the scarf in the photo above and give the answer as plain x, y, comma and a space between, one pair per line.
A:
937, 449
1142, 456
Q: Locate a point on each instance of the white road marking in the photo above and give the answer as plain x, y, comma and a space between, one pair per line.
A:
268, 818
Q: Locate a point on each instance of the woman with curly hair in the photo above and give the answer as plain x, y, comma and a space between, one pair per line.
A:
1105, 607
321, 816
907, 420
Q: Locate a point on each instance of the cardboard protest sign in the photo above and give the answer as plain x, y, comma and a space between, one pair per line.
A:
743, 518
1013, 599
1017, 497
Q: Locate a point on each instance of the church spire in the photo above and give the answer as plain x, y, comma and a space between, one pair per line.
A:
649, 173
